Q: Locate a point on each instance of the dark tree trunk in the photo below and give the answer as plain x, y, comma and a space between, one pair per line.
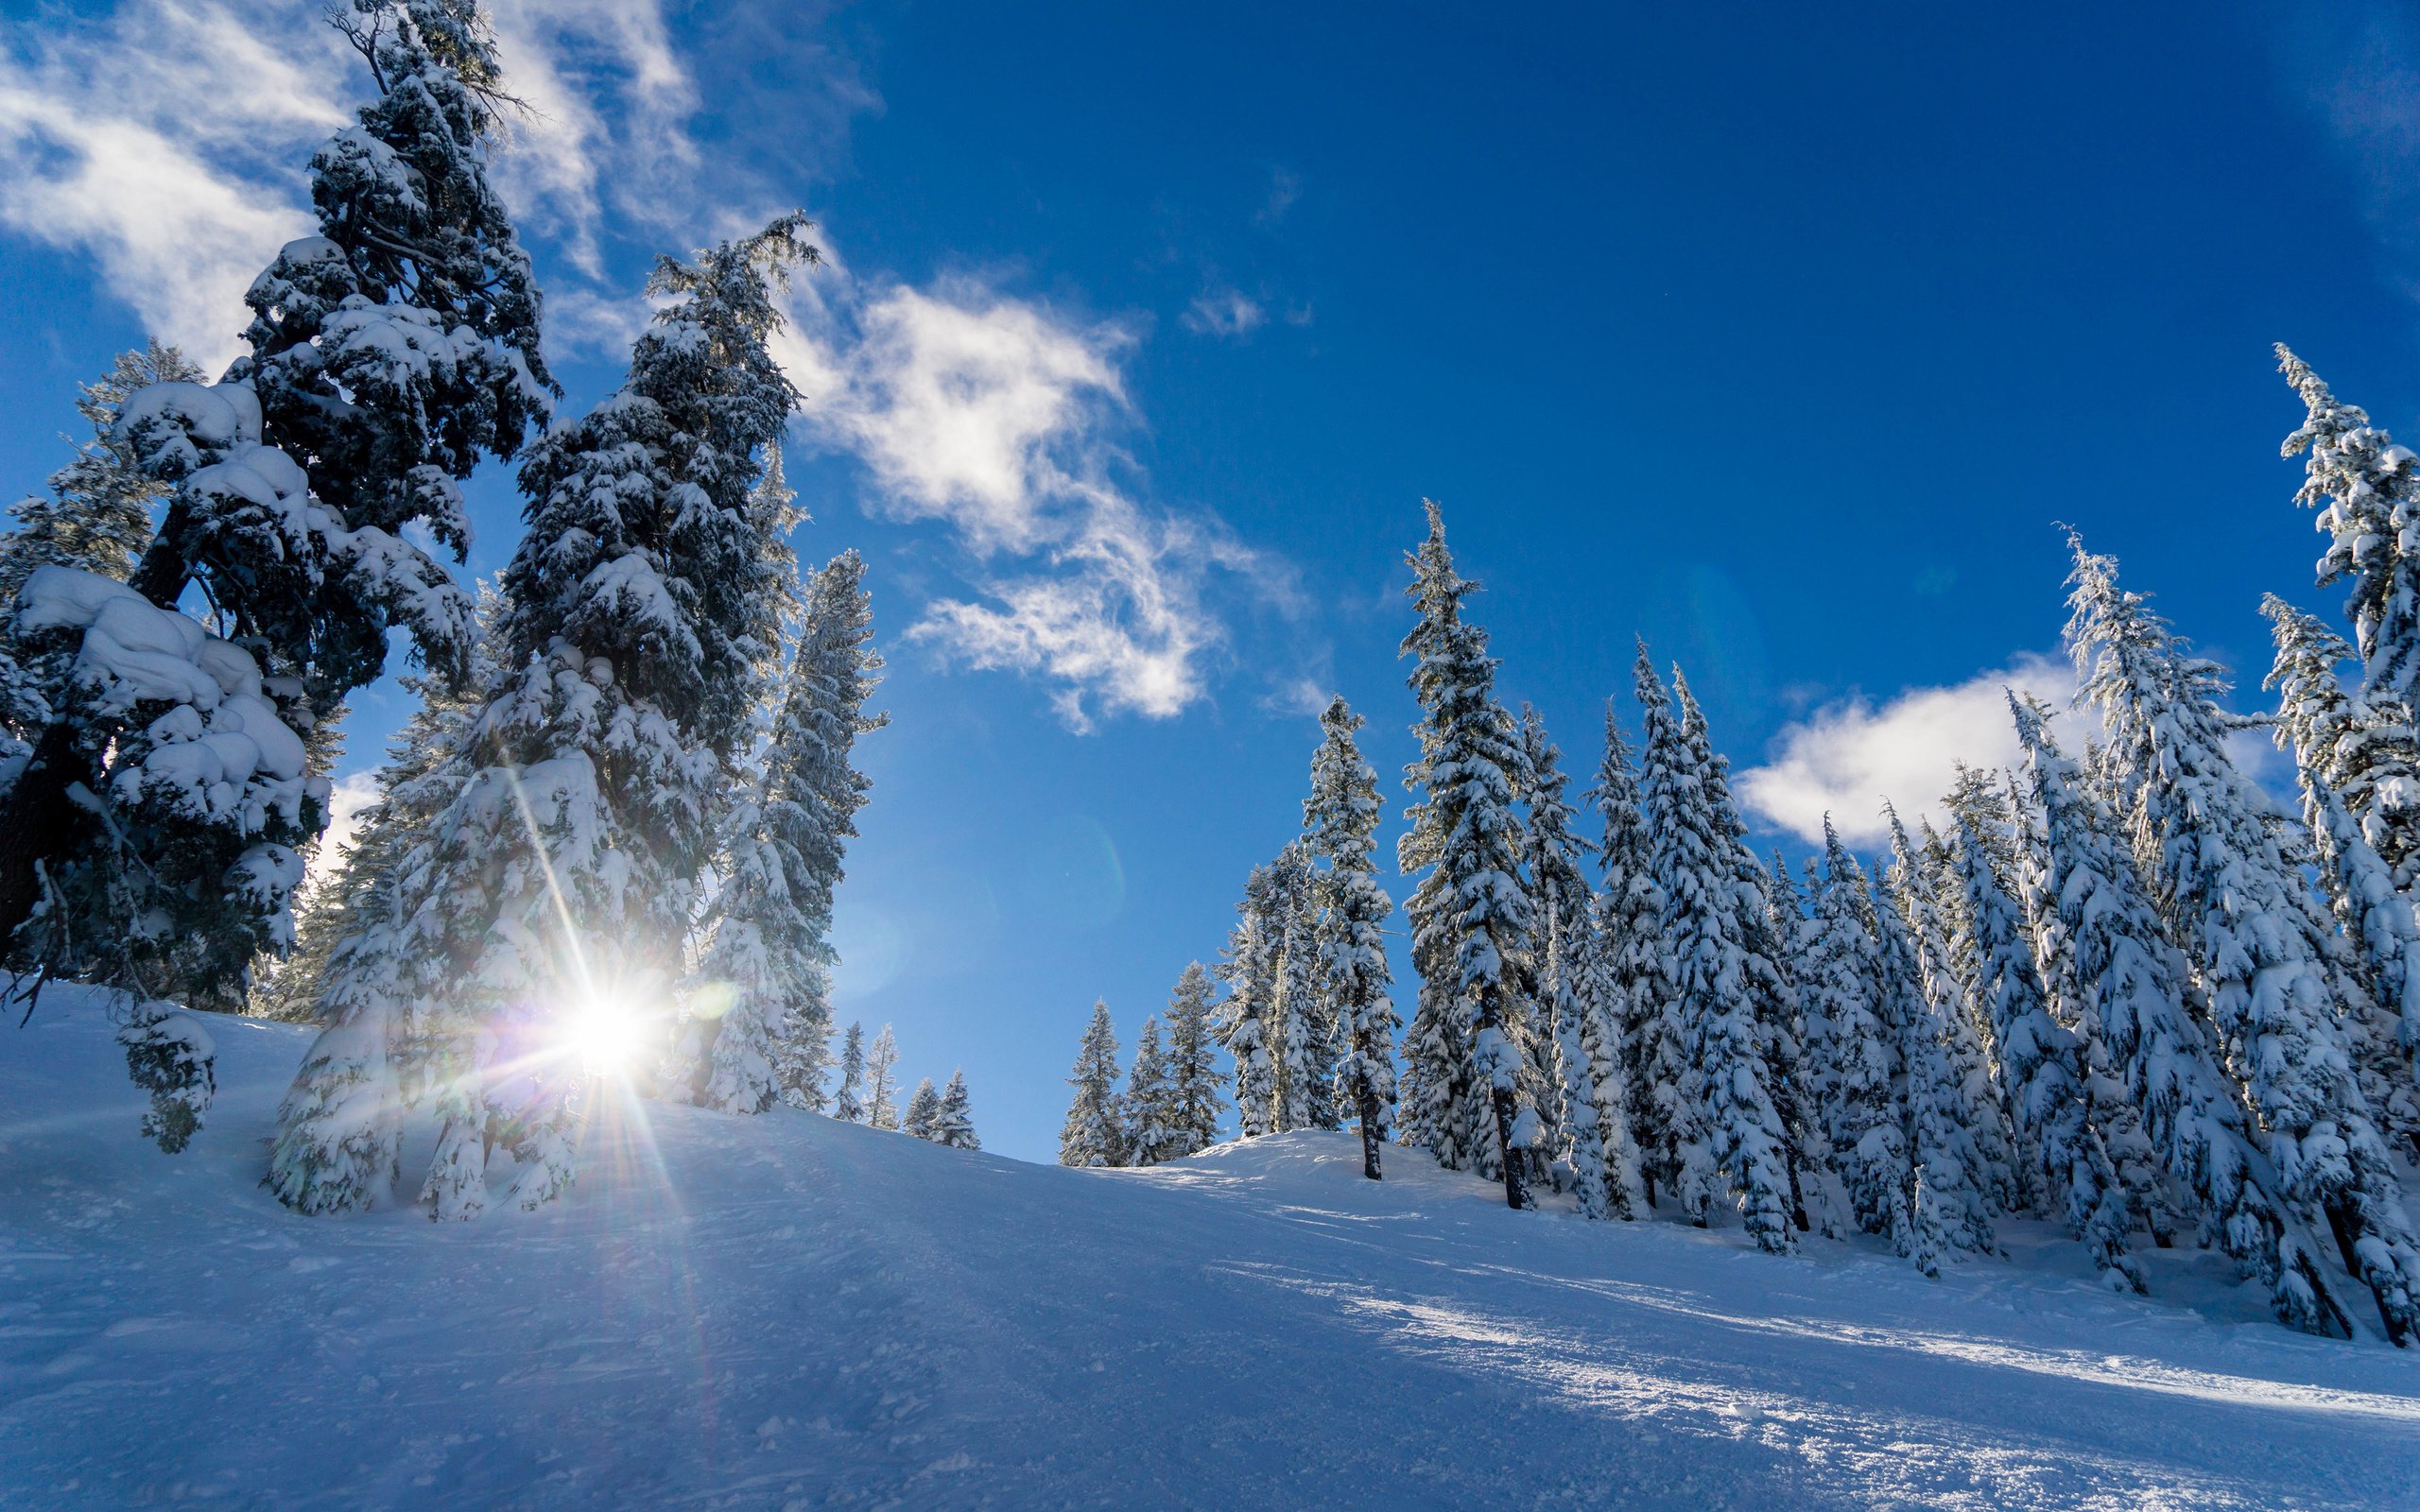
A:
1507, 1108
40, 822
1369, 1131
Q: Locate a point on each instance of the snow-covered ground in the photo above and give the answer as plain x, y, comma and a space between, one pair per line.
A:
785, 1312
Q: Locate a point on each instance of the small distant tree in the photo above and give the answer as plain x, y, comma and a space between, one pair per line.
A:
1094, 1133
1150, 1137
924, 1112
848, 1103
1194, 1098
953, 1124
882, 1083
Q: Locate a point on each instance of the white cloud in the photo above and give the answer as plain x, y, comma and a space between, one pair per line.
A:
991, 414
569, 60
169, 140
969, 408
167, 143
351, 793
1847, 757
1226, 313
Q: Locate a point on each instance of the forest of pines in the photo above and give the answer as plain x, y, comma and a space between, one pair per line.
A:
2121, 989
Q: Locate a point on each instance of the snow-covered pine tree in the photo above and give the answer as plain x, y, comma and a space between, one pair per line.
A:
97, 515
1469, 913
1630, 935
1793, 1062
1094, 1133
848, 1100
2365, 748
2150, 1197
1987, 1135
1341, 826
922, 1116
1148, 1135
339, 1130
1304, 1094
388, 352
1194, 1099
882, 1081
1941, 1209
2340, 745
1856, 1071
953, 1124
1714, 921
565, 872
2116, 969
2260, 949
1562, 899
771, 949
2040, 1063
2367, 492
1250, 1008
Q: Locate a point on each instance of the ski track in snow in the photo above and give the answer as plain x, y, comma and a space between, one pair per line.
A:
788, 1312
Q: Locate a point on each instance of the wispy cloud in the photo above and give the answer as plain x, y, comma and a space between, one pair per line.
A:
996, 416
2357, 63
1285, 187
1224, 312
168, 141
1846, 757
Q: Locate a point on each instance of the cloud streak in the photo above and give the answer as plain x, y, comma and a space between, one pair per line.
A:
996, 417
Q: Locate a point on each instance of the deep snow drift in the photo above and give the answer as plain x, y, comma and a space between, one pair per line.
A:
786, 1312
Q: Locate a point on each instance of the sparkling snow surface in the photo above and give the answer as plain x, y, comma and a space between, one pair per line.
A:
789, 1313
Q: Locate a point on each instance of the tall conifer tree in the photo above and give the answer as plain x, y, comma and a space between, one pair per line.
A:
2237, 904
1469, 913
1341, 822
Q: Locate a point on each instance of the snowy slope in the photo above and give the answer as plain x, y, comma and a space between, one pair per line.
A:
787, 1312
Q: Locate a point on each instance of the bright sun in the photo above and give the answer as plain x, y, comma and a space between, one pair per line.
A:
604, 1033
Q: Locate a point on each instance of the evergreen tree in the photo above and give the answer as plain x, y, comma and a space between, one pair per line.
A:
388, 353
2342, 745
1150, 1134
770, 951
1469, 914
1791, 1063
1952, 1120
1341, 824
97, 515
1989, 1141
2261, 955
1094, 1133
1630, 935
954, 1126
2125, 978
564, 870
2367, 492
1938, 1209
2365, 748
339, 1130
882, 1083
1562, 899
1856, 1069
1304, 1094
2041, 1063
923, 1118
1714, 920
848, 1103
1250, 970
1193, 1071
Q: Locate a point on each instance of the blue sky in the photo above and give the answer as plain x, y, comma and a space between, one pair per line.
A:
1780, 340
